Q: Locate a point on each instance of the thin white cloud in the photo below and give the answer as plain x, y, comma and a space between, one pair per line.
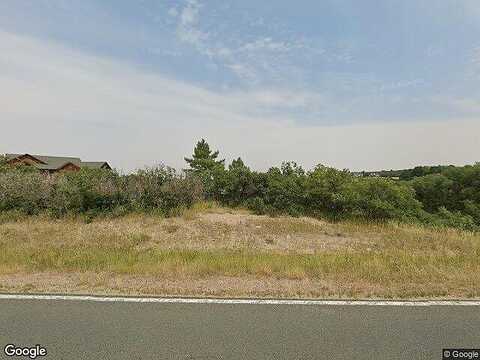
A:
251, 60
189, 14
187, 30
57, 101
265, 43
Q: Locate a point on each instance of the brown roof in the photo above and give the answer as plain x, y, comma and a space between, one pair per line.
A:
58, 162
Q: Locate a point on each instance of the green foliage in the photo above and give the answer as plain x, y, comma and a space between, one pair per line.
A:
456, 189
92, 192
238, 184
143, 189
456, 219
440, 196
326, 191
420, 171
204, 159
285, 189
437, 195
433, 191
24, 191
161, 189
86, 191
445, 196
180, 193
409, 174
205, 166
382, 199
256, 205
337, 194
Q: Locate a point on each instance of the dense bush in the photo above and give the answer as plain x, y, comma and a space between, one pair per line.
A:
327, 192
92, 192
239, 183
456, 189
85, 191
433, 191
446, 218
440, 196
285, 190
29, 192
382, 199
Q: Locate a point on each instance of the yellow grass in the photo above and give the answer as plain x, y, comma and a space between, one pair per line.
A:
261, 255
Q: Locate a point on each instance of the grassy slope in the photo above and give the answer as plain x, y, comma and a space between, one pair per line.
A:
214, 251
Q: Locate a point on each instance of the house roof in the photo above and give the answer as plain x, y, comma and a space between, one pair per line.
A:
58, 162
95, 164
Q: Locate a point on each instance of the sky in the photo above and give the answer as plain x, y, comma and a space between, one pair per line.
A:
363, 85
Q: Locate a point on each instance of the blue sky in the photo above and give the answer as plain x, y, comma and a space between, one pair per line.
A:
315, 81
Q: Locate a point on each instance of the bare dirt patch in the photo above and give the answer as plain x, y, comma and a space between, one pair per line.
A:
206, 231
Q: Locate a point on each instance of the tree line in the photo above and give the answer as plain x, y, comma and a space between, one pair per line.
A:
445, 196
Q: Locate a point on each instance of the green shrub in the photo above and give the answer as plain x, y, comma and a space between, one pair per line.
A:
382, 199
181, 192
439, 196
238, 184
256, 205
94, 192
161, 188
28, 192
285, 189
434, 191
446, 218
326, 192
88, 190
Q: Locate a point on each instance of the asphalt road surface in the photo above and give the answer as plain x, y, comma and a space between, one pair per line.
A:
121, 330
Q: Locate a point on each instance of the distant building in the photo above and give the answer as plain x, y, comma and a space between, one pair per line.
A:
52, 164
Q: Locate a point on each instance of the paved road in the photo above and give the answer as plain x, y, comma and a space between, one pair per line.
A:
115, 330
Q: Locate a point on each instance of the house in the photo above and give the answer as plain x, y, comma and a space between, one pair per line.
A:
52, 164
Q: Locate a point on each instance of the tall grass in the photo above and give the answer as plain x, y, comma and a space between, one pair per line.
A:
385, 269
393, 259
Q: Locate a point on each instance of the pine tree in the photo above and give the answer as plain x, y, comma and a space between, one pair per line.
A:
237, 164
204, 159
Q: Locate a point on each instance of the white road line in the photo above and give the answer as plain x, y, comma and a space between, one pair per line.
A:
241, 301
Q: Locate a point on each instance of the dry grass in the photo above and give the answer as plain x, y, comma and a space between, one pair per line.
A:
209, 250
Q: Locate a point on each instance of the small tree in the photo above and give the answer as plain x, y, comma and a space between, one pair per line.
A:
325, 191
204, 164
240, 184
285, 189
204, 159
